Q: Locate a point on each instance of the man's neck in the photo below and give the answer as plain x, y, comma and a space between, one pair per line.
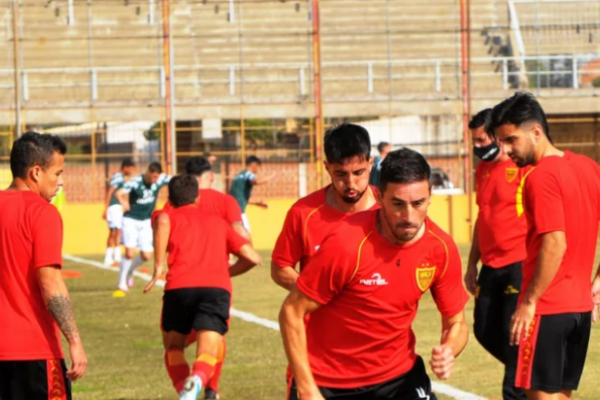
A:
334, 200
20, 184
386, 232
546, 149
501, 158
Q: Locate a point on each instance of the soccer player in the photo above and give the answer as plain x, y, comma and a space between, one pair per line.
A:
113, 212
561, 201
244, 182
138, 198
198, 288
34, 300
362, 290
213, 202
348, 163
499, 242
384, 148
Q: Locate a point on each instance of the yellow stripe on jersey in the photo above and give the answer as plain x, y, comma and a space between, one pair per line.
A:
519, 200
358, 258
447, 253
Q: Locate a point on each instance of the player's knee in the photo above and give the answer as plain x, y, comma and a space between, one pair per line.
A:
129, 254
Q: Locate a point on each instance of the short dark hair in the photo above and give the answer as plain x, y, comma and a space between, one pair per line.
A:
345, 141
403, 166
183, 190
381, 146
517, 110
480, 119
197, 166
34, 149
253, 159
155, 167
128, 162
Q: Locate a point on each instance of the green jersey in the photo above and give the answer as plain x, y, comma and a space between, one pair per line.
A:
117, 181
241, 188
143, 196
376, 171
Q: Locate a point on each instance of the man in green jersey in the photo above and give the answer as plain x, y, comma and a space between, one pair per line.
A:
113, 212
244, 182
138, 198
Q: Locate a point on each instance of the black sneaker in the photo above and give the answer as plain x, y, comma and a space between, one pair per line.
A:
210, 394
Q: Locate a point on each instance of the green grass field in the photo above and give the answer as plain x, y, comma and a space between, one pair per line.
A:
124, 347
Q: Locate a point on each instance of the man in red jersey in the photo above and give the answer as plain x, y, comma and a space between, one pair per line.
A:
33, 296
362, 290
347, 150
561, 200
499, 242
225, 206
198, 288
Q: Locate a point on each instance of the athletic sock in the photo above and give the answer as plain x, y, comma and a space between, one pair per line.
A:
204, 366
137, 261
117, 253
108, 256
123, 271
213, 382
177, 368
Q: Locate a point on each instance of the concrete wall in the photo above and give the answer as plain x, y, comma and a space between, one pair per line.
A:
85, 231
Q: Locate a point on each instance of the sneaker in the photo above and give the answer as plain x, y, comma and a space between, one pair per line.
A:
191, 388
130, 282
210, 394
119, 293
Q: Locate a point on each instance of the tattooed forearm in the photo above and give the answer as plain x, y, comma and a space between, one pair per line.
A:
61, 311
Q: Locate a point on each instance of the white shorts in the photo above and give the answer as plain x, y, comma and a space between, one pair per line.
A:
246, 222
114, 216
138, 235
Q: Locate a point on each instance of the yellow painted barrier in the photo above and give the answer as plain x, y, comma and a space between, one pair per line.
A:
86, 231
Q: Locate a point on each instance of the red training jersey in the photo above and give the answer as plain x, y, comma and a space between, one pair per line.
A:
213, 202
306, 225
563, 194
199, 248
370, 290
31, 234
501, 231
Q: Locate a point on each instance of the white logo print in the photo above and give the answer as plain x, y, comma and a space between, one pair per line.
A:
376, 280
422, 394
317, 248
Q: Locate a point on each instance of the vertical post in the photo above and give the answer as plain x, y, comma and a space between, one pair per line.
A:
169, 87
465, 34
232, 80
438, 78
151, 12
162, 84
370, 76
575, 73
504, 74
93, 84
231, 16
302, 82
316, 58
70, 13
17, 68
25, 86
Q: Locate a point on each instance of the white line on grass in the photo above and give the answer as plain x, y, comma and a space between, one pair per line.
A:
437, 387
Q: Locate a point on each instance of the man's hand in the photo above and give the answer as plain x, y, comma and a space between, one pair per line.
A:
471, 279
125, 207
442, 361
158, 271
78, 361
596, 298
261, 203
520, 322
104, 215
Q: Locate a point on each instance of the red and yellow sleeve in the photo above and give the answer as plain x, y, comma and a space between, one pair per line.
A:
544, 201
47, 232
289, 247
448, 291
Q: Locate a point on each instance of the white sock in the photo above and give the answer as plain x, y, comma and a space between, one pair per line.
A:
123, 271
137, 261
108, 259
117, 252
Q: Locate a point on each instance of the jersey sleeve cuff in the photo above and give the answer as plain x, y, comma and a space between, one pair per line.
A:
548, 229
457, 308
310, 293
49, 263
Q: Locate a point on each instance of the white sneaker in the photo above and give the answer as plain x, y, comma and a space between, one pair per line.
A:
191, 388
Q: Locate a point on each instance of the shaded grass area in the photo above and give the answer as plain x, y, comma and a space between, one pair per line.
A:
124, 347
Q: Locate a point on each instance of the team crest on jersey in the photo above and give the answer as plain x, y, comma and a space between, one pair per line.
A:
511, 174
425, 275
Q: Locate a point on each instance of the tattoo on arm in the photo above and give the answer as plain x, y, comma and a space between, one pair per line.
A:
61, 311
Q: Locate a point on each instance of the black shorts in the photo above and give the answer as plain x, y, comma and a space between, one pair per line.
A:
196, 308
413, 385
552, 357
34, 380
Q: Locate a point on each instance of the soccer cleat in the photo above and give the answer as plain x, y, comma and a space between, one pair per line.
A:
130, 282
210, 394
116, 264
191, 388
119, 293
